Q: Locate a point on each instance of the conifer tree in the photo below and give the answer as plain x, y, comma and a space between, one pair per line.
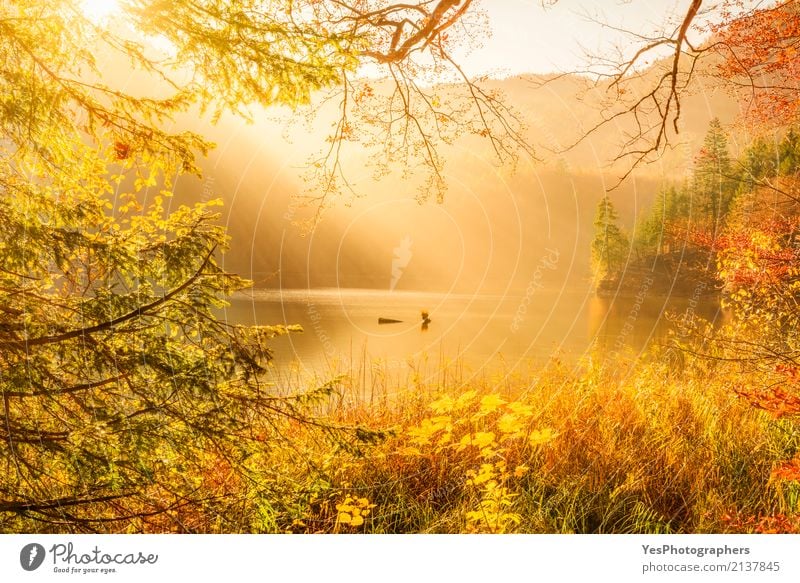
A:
713, 183
610, 246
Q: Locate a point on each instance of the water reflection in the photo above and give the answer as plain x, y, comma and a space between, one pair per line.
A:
633, 324
479, 330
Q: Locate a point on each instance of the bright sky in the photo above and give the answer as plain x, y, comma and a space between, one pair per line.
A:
530, 38
544, 36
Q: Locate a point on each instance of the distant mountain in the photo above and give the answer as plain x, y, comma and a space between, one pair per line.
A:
492, 229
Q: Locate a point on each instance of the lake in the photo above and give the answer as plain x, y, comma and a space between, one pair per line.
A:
481, 331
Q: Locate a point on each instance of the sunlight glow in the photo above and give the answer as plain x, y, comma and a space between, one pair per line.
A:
99, 10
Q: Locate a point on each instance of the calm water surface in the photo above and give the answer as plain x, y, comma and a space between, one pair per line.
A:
482, 331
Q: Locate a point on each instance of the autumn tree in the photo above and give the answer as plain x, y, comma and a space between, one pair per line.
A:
408, 117
758, 268
126, 402
757, 53
762, 229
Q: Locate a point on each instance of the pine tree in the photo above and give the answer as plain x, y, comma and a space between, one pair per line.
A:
759, 161
654, 233
713, 184
610, 246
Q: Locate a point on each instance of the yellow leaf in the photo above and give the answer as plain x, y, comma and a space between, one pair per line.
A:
485, 474
421, 435
479, 439
509, 423
443, 405
520, 409
490, 403
465, 399
345, 518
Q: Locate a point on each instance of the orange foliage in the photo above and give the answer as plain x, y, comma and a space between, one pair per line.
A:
775, 400
759, 53
122, 151
787, 471
770, 524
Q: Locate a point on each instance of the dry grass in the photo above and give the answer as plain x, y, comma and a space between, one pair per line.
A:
594, 449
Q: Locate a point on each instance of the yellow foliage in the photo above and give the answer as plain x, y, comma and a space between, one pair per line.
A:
483, 475
511, 425
491, 444
490, 403
465, 400
480, 439
443, 405
422, 434
352, 511
520, 409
